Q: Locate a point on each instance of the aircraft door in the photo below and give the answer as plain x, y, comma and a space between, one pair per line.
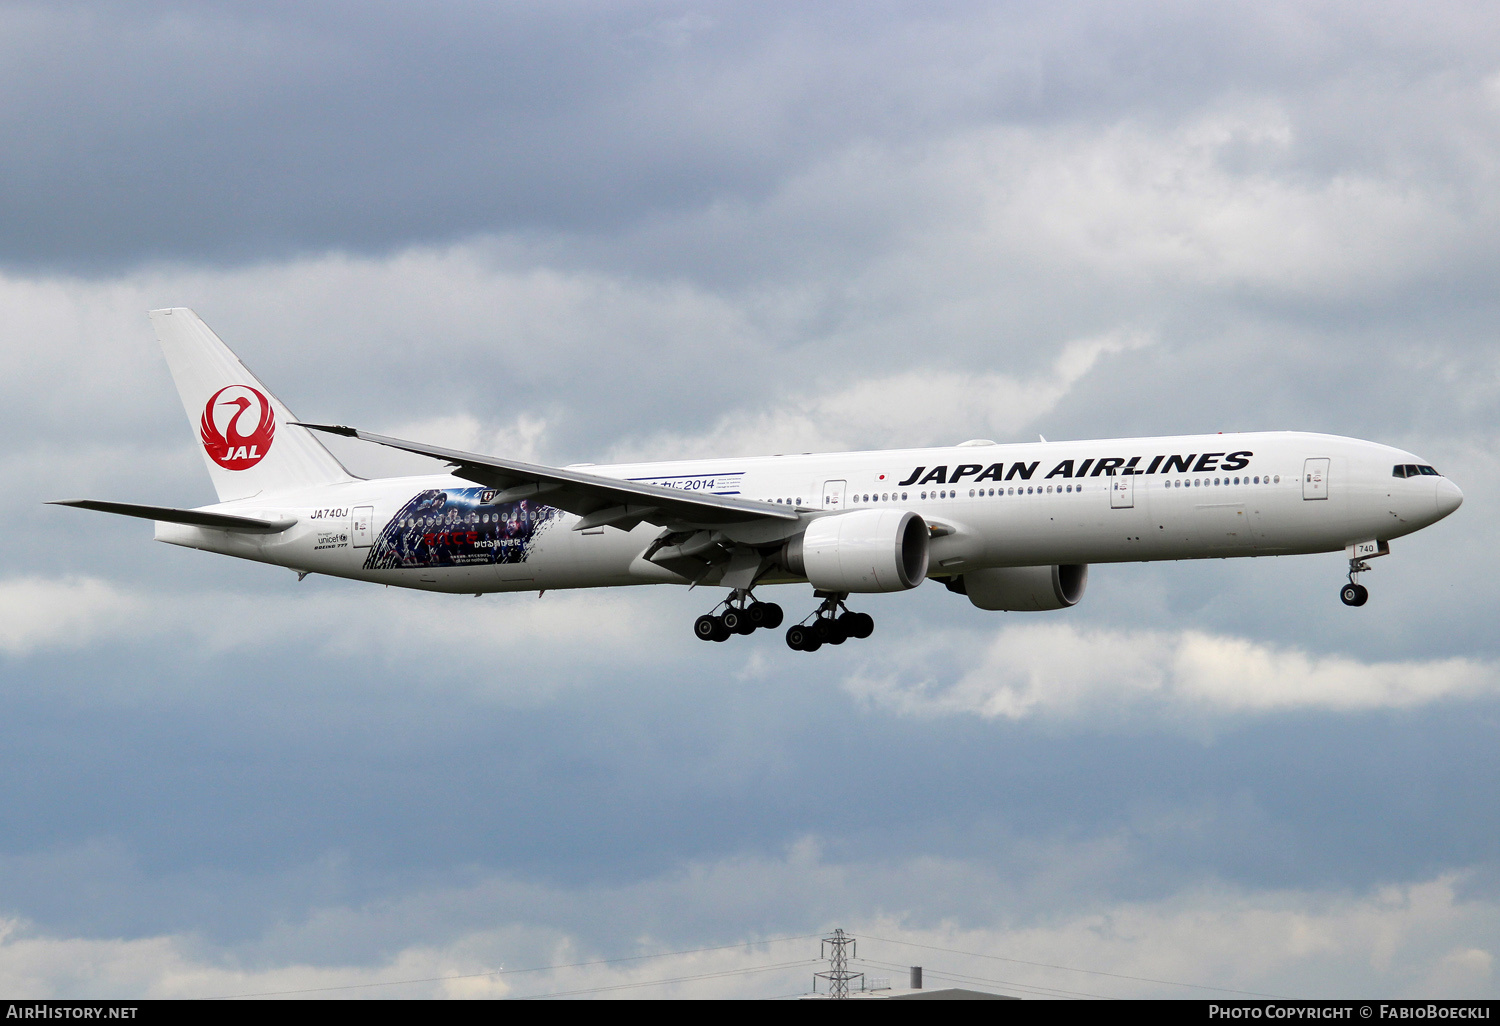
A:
1315, 479
362, 527
833, 494
1122, 492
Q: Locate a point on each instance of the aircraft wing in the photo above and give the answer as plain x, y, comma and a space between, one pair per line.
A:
198, 518
599, 501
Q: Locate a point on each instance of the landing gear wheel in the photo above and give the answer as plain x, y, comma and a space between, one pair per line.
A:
722, 632
1354, 593
857, 625
802, 639
764, 614
706, 627
737, 621
838, 632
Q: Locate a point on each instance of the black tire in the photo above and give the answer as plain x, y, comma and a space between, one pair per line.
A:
773, 615
721, 632
797, 637
755, 612
704, 627
857, 625
837, 633
737, 621
1350, 596
1364, 595
821, 628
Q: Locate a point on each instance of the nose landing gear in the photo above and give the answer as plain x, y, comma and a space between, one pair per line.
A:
828, 626
742, 614
1354, 593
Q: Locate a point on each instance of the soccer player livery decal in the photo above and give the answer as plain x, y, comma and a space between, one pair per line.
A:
1005, 526
457, 527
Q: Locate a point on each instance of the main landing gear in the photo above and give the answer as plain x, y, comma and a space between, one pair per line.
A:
829, 626
832, 623
741, 615
1354, 593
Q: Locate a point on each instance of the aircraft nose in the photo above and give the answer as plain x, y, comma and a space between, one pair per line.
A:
1447, 497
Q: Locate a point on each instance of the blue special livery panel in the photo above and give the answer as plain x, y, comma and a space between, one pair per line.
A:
458, 527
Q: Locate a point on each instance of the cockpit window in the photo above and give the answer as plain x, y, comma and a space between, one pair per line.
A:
1399, 470
1413, 470
1428, 472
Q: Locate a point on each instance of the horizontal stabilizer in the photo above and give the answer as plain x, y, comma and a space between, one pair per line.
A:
197, 518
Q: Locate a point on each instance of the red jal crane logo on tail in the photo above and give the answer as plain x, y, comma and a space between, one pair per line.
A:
226, 418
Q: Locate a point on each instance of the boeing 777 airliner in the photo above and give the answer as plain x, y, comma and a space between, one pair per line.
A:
1010, 526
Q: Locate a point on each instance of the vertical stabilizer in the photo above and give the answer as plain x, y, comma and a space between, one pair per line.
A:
246, 435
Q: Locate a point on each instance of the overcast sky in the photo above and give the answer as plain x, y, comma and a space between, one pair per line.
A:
584, 231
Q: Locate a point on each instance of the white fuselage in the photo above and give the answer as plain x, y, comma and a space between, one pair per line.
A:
992, 505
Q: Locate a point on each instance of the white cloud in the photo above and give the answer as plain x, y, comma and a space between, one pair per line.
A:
522, 439
979, 252
1062, 672
992, 250
913, 408
1424, 938
38, 613
1135, 204
389, 339
573, 629
174, 967
1047, 670
1411, 940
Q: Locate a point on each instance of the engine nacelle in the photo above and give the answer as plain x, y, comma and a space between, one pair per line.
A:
1023, 588
862, 551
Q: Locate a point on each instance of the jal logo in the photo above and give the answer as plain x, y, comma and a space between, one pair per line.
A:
237, 427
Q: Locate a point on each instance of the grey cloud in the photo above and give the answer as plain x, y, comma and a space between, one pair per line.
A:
238, 132
674, 220
211, 775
